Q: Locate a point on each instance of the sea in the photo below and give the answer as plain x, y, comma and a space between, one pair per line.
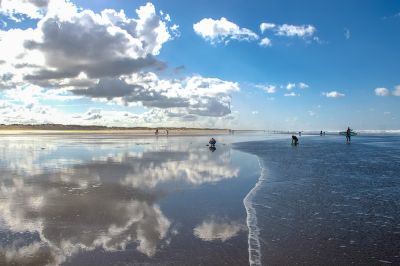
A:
81, 199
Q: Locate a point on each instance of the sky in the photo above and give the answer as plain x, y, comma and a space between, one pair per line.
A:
272, 65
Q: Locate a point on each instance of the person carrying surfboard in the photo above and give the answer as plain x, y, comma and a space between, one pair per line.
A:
348, 135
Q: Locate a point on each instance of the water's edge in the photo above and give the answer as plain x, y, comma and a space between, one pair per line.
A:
251, 220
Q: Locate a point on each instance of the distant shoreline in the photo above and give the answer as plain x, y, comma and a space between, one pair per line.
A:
55, 129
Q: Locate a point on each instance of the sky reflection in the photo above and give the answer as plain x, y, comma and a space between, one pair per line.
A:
61, 197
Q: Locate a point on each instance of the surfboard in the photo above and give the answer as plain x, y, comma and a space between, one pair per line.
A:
352, 133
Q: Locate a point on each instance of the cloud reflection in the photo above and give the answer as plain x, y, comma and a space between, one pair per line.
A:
109, 201
211, 230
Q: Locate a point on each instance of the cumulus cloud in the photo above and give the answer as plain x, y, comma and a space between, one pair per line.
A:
333, 94
222, 30
268, 88
33, 9
266, 26
396, 91
265, 42
291, 94
108, 57
66, 45
193, 95
303, 85
295, 30
290, 86
382, 92
288, 30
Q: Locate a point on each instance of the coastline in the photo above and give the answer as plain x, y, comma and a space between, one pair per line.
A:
130, 132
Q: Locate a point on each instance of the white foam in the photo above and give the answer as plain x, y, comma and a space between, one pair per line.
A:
251, 220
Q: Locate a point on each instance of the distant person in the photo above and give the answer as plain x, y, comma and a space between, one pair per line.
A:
212, 142
348, 135
295, 140
324, 133
156, 133
166, 131
299, 133
320, 133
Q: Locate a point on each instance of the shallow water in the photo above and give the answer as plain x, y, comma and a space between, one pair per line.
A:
116, 200
326, 203
109, 200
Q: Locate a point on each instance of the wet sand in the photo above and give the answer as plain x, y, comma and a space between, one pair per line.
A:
117, 200
326, 203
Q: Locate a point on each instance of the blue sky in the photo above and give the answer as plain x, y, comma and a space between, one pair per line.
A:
312, 65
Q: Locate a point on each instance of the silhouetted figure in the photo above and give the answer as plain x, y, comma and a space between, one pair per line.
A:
348, 135
156, 133
212, 148
295, 140
324, 133
320, 133
299, 133
212, 142
166, 131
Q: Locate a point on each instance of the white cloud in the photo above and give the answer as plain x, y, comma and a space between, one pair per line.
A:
347, 33
254, 112
65, 45
333, 94
382, 92
107, 57
265, 42
396, 91
290, 86
303, 85
222, 30
293, 30
33, 9
291, 94
270, 89
266, 26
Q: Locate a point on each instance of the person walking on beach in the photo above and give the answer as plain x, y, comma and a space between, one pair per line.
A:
348, 135
156, 133
295, 140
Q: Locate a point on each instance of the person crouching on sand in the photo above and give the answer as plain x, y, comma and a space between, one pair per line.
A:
212, 142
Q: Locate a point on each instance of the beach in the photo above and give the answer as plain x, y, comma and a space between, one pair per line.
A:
117, 199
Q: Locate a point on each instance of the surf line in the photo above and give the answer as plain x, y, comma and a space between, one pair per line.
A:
251, 220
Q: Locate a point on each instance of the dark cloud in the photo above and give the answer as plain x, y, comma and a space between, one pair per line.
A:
37, 3
211, 107
84, 45
109, 89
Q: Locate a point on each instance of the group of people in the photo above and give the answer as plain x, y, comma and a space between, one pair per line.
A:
348, 133
157, 132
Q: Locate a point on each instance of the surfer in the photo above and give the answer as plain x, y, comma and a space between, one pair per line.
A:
295, 140
348, 135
